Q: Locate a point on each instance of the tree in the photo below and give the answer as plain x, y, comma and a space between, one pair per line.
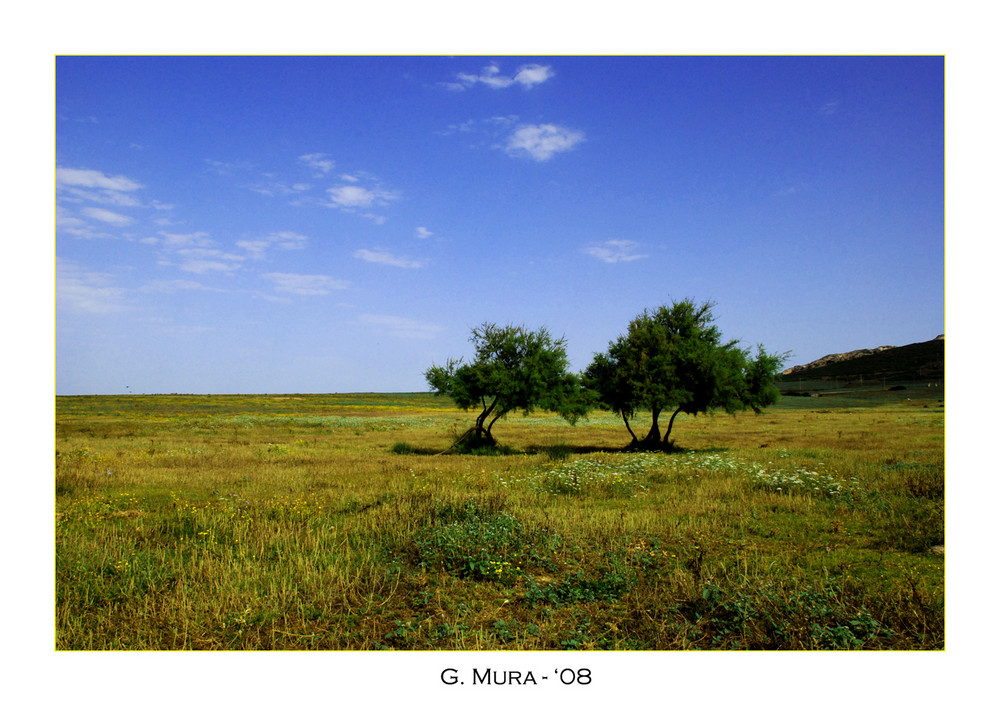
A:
674, 358
514, 368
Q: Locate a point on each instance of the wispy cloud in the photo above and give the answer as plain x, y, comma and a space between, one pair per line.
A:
526, 76
172, 286
93, 179
496, 126
359, 192
541, 142
105, 216
304, 285
198, 239
380, 257
70, 224
283, 240
319, 162
614, 251
537, 142
401, 327
208, 264
106, 197
197, 253
75, 188
228, 168
830, 107
352, 197
532, 74
423, 232
167, 327
83, 291
271, 188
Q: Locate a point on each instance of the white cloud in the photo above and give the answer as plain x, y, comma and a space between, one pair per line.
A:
613, 251
105, 216
351, 196
401, 327
197, 253
228, 168
318, 161
526, 76
384, 258
171, 286
93, 179
77, 186
495, 128
201, 267
86, 292
288, 240
102, 196
423, 232
199, 239
272, 189
304, 285
283, 240
70, 224
490, 75
540, 142
533, 74
65, 220
830, 107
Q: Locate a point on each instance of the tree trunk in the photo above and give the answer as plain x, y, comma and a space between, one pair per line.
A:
666, 437
484, 437
635, 439
481, 429
652, 440
489, 429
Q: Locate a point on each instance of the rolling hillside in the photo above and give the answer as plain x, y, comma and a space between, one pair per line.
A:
886, 364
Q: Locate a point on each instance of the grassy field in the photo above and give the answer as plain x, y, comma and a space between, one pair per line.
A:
342, 522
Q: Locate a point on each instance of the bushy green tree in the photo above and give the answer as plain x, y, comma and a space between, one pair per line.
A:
673, 359
514, 368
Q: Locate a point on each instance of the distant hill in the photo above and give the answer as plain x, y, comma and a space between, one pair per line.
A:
917, 361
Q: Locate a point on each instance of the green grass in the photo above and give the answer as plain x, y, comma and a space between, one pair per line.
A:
342, 522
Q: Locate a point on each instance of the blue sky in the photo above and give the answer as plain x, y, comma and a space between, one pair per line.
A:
337, 224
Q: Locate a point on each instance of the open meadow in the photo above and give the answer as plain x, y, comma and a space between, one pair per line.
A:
342, 522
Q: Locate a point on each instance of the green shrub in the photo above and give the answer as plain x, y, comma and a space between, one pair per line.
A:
472, 540
580, 588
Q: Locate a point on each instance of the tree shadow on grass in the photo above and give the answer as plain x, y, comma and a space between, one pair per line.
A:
554, 452
559, 451
405, 449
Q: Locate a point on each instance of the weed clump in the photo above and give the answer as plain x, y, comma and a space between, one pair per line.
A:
475, 541
821, 617
581, 588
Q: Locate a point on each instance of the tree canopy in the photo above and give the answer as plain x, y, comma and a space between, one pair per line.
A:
674, 358
514, 368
